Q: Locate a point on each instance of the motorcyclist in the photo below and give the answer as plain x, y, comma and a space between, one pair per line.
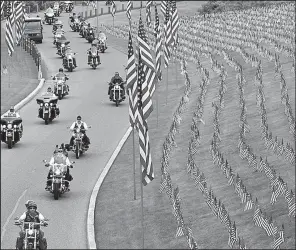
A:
49, 92
68, 50
32, 215
72, 18
100, 40
83, 127
61, 74
60, 156
89, 52
114, 79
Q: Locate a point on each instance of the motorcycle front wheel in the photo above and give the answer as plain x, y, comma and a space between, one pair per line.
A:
77, 152
56, 191
9, 142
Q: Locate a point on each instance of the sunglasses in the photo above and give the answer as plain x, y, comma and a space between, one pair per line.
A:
32, 208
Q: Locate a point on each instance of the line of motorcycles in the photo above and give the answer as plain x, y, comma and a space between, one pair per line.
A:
58, 8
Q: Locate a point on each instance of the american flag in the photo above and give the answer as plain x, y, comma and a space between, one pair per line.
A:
157, 46
149, 71
232, 235
278, 241
148, 13
9, 32
128, 10
163, 5
113, 8
2, 7
145, 154
167, 36
175, 24
131, 78
20, 20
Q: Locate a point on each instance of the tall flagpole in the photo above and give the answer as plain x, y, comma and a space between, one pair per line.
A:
97, 16
134, 162
167, 84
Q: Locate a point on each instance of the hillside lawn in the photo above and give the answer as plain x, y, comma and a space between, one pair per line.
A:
118, 216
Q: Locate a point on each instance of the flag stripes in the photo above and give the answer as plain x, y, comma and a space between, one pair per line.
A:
175, 24
128, 10
9, 36
144, 144
113, 9
148, 13
131, 79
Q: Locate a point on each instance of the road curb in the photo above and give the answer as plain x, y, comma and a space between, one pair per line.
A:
92, 202
29, 97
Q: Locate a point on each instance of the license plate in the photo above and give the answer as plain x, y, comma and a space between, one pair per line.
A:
45, 111
59, 88
9, 134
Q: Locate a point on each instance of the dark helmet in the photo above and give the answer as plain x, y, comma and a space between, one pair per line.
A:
11, 109
116, 74
49, 89
78, 117
27, 203
88, 24
61, 70
31, 204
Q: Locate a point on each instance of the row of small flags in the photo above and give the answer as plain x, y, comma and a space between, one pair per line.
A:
141, 89
15, 15
94, 5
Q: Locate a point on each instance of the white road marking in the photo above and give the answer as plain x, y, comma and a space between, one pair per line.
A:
92, 203
12, 213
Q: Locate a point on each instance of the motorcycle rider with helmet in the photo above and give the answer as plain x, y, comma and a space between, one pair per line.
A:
114, 79
83, 127
61, 74
89, 52
60, 157
47, 93
68, 50
32, 215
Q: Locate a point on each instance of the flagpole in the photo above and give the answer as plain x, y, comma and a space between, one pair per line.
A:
157, 89
97, 15
113, 21
142, 209
167, 84
134, 162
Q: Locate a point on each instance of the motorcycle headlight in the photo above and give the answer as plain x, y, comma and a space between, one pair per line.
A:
58, 172
30, 232
9, 126
46, 104
4, 126
50, 104
41, 104
63, 45
14, 126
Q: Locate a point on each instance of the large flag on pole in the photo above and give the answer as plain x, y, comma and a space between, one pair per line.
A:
113, 8
2, 8
157, 46
9, 32
163, 5
149, 70
167, 36
148, 13
131, 82
175, 24
19, 20
128, 10
144, 144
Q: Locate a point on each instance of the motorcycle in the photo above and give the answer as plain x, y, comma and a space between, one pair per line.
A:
57, 36
90, 35
94, 60
102, 42
56, 25
61, 50
56, 10
58, 181
68, 6
47, 105
10, 133
115, 93
60, 88
69, 65
83, 29
78, 146
32, 233
49, 17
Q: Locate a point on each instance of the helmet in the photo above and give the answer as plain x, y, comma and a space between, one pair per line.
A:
93, 43
31, 204
11, 109
61, 70
116, 74
74, 13
88, 24
78, 117
49, 89
27, 202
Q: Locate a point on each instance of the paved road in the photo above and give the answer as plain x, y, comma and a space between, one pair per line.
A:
23, 173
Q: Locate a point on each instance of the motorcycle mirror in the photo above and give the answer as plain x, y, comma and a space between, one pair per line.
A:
68, 127
72, 162
45, 161
16, 218
89, 126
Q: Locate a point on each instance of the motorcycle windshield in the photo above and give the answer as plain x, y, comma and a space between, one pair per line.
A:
102, 37
60, 158
63, 39
13, 120
49, 12
94, 51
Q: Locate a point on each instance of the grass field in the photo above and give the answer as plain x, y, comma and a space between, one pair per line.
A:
118, 216
22, 75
